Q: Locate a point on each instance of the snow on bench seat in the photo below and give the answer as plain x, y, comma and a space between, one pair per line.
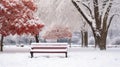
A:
49, 48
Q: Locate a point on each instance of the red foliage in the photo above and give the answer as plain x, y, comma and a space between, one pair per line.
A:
29, 4
58, 31
14, 17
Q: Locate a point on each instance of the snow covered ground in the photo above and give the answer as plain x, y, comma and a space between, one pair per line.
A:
77, 57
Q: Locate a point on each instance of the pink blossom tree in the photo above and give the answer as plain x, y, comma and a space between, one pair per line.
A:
57, 32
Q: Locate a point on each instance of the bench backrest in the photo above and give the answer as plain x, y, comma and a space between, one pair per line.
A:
49, 45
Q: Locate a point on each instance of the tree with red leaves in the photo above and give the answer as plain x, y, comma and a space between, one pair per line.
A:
57, 32
17, 17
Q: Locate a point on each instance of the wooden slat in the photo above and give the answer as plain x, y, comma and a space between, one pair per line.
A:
49, 48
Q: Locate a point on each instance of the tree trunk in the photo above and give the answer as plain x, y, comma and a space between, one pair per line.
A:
84, 38
100, 41
69, 42
1, 43
37, 38
97, 41
102, 45
103, 41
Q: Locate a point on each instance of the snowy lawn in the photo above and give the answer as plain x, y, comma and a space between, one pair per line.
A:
77, 57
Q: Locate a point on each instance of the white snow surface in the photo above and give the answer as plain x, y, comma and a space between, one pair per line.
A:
77, 57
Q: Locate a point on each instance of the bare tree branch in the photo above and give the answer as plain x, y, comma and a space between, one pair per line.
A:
111, 18
97, 14
81, 12
104, 3
105, 17
88, 9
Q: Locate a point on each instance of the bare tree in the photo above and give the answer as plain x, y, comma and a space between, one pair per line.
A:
99, 19
84, 34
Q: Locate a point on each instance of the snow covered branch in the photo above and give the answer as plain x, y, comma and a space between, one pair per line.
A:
89, 19
89, 10
106, 12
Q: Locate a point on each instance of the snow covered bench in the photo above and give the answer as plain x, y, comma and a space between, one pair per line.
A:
49, 48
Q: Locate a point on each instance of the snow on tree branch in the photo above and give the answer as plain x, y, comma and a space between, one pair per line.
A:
89, 10
17, 17
106, 10
88, 18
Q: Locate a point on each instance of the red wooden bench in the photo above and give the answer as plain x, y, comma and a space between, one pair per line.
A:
49, 48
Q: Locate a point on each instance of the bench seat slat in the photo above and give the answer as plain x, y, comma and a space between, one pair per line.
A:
48, 47
49, 50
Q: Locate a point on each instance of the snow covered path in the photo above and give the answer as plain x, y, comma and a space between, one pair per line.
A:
77, 57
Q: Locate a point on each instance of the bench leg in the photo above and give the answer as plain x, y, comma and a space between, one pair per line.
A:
66, 54
31, 54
